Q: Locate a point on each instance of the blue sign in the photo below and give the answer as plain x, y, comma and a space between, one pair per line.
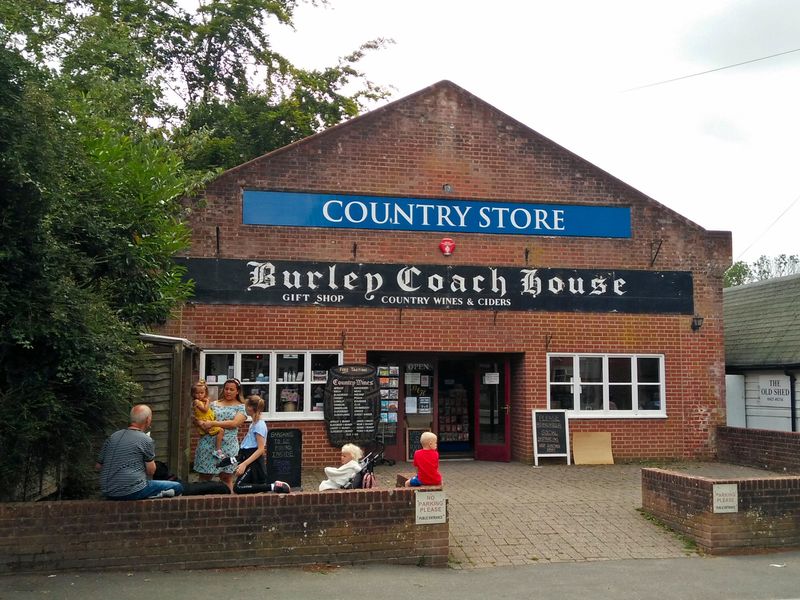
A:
294, 209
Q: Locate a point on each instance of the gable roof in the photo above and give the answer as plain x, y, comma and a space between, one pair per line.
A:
470, 103
762, 324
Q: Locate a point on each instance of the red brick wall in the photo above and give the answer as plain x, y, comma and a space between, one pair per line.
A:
411, 148
768, 516
268, 530
761, 448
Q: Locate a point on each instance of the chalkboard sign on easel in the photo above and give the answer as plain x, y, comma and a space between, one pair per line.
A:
413, 442
550, 434
284, 456
352, 404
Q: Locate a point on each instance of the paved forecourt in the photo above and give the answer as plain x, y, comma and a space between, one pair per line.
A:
516, 514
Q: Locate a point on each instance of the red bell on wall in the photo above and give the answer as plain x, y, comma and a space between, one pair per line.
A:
447, 245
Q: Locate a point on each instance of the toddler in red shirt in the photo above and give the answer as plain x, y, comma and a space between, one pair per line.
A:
427, 462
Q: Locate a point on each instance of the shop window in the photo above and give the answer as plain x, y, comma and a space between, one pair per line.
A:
292, 383
604, 385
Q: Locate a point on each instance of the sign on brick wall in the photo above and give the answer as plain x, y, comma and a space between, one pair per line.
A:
726, 498
292, 209
341, 284
431, 507
352, 406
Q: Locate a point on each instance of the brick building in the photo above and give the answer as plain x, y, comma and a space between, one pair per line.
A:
483, 269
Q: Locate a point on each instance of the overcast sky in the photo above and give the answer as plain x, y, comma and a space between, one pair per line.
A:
721, 148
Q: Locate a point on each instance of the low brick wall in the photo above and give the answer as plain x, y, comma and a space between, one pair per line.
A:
266, 530
761, 448
768, 515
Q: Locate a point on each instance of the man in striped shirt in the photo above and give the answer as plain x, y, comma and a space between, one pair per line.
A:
127, 462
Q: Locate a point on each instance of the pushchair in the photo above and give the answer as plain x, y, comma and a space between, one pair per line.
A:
365, 478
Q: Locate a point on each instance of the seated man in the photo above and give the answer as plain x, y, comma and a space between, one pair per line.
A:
127, 462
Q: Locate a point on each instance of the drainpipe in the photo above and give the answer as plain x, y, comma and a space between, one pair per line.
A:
792, 398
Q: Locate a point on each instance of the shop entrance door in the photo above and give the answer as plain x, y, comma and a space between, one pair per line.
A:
456, 410
473, 415
492, 419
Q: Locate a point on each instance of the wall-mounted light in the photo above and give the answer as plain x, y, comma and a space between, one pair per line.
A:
697, 322
447, 188
447, 245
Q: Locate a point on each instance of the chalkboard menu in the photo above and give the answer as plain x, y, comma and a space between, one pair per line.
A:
550, 434
284, 454
352, 404
413, 442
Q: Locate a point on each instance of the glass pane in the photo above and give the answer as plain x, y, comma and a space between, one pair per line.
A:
218, 368
561, 397
317, 396
591, 397
649, 397
619, 370
290, 367
290, 397
561, 368
418, 388
255, 367
258, 389
591, 369
492, 404
647, 370
320, 365
620, 397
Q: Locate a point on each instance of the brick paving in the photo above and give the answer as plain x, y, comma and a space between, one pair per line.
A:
516, 514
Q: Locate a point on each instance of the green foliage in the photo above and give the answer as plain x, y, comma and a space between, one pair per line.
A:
765, 267
111, 111
88, 226
738, 274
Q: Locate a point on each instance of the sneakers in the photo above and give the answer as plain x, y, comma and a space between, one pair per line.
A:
228, 461
279, 487
219, 454
165, 494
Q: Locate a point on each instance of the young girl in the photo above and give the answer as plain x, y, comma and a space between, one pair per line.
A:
339, 476
204, 412
251, 465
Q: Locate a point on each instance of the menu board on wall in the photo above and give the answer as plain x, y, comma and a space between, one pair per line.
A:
352, 406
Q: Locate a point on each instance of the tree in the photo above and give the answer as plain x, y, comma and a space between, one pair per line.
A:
765, 267
88, 228
100, 101
739, 273
777, 266
191, 69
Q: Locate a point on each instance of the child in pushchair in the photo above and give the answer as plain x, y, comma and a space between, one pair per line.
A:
351, 474
338, 477
365, 478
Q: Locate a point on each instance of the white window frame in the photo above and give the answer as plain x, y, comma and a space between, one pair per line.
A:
605, 413
271, 413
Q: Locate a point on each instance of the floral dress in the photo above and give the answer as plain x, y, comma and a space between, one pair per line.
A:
204, 460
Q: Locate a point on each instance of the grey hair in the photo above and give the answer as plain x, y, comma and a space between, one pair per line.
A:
140, 413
